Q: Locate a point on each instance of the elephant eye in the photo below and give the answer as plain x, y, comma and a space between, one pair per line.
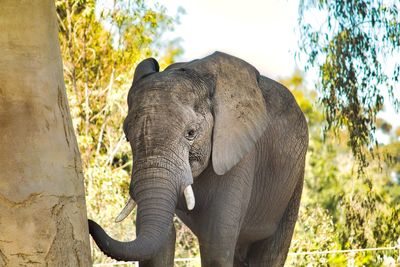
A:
191, 134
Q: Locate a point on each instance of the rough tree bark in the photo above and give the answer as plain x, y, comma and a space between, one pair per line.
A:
42, 203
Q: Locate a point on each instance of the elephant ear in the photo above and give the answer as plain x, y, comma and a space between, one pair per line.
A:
238, 106
145, 68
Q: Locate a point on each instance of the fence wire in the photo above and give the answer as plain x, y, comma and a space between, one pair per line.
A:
351, 252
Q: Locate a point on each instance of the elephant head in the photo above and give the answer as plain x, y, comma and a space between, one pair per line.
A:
208, 111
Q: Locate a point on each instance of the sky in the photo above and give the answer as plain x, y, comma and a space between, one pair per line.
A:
260, 32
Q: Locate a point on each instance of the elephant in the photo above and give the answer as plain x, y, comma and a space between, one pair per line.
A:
222, 147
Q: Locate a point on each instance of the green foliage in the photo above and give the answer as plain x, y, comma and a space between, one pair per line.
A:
352, 48
315, 231
338, 210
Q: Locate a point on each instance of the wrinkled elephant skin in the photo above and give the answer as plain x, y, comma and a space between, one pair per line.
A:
238, 138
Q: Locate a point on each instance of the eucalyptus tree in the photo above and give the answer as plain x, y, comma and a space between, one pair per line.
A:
354, 46
42, 202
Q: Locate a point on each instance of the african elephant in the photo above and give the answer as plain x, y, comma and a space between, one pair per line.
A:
223, 148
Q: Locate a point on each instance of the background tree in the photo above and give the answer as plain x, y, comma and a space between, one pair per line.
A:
42, 203
339, 211
353, 44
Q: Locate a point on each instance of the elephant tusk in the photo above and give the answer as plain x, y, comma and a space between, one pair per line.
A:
189, 196
129, 206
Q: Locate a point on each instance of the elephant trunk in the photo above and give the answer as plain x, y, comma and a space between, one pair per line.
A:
156, 193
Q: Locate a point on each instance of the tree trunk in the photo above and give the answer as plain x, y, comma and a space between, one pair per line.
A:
42, 203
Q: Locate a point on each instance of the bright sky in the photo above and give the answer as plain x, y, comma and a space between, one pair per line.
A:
260, 32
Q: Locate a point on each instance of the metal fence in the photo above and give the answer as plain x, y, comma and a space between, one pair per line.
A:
351, 254
136, 264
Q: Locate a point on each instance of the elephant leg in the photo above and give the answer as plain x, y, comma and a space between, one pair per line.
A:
216, 256
272, 252
219, 228
217, 221
238, 263
241, 255
165, 257
218, 235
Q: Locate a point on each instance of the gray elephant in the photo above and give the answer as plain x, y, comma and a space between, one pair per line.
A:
223, 148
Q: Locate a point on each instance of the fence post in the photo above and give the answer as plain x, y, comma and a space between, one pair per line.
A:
398, 248
351, 260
